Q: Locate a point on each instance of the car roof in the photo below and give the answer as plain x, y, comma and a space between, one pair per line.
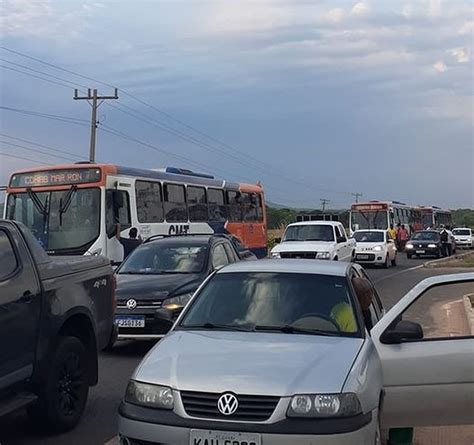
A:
184, 239
370, 230
316, 223
317, 267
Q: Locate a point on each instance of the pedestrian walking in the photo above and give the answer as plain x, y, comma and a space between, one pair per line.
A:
402, 237
392, 233
445, 243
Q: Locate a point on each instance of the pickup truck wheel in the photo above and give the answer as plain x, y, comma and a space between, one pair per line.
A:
64, 395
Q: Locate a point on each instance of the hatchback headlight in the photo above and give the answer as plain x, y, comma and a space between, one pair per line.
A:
177, 302
276, 255
324, 405
153, 396
432, 246
323, 255
409, 246
378, 249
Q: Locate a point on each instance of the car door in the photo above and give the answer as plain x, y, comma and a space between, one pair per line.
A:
429, 375
20, 304
343, 249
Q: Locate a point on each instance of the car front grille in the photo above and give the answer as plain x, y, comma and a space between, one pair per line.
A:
302, 255
251, 408
141, 304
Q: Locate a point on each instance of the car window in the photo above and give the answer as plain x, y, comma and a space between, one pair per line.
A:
219, 257
342, 232
271, 301
441, 311
8, 260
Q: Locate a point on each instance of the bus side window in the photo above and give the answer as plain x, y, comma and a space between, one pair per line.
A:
249, 207
117, 211
217, 208
175, 203
197, 203
234, 203
259, 207
149, 202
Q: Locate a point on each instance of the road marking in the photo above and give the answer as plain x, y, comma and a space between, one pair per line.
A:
398, 273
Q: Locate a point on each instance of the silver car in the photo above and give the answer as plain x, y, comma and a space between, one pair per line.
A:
289, 352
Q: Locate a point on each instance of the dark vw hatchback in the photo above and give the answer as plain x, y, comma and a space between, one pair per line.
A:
425, 243
157, 280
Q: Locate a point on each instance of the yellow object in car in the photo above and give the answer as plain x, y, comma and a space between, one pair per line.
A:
343, 315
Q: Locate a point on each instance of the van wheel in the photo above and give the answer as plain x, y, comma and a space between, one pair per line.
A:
63, 396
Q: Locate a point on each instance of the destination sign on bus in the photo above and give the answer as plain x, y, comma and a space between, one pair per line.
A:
363, 207
56, 177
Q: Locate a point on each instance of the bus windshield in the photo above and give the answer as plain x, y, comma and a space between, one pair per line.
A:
427, 219
373, 219
64, 221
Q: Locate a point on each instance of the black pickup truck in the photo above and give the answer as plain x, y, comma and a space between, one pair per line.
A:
56, 313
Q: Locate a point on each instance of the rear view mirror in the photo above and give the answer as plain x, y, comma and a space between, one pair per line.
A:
403, 330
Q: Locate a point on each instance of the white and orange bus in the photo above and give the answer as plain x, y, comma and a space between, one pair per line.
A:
73, 209
435, 217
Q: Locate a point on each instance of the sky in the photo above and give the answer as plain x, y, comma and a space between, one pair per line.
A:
315, 99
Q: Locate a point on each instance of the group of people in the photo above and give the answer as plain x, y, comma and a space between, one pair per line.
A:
400, 235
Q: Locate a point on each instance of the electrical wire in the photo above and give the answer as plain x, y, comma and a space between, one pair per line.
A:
24, 159
11, 144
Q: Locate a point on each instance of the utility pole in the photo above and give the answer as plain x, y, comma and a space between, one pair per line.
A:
356, 196
323, 203
93, 99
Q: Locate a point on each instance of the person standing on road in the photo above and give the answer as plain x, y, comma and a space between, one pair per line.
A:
129, 244
392, 233
445, 242
402, 237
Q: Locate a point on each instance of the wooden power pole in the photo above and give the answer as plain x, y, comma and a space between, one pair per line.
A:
356, 196
94, 101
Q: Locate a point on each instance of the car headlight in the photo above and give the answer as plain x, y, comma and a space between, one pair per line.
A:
378, 249
432, 246
177, 302
145, 394
323, 255
276, 255
324, 405
409, 246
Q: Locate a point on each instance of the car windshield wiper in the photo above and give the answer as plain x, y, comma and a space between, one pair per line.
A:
290, 329
216, 326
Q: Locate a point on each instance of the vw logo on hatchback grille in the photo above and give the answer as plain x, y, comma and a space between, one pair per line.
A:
131, 304
227, 404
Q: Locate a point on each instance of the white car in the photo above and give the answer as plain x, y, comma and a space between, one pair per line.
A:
375, 247
320, 240
463, 237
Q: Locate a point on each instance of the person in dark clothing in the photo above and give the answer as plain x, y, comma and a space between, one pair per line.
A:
129, 244
446, 243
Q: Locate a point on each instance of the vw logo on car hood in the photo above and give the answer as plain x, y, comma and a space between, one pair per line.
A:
227, 404
131, 304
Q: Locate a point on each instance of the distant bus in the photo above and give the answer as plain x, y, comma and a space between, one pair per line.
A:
73, 209
435, 217
383, 214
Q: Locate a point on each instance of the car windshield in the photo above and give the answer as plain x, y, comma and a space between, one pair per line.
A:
274, 302
426, 236
162, 258
309, 233
369, 237
462, 232
62, 221
369, 220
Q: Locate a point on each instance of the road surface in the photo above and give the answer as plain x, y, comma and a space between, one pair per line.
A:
99, 423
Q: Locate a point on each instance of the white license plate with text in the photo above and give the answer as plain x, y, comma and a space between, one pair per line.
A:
420, 251
130, 322
200, 437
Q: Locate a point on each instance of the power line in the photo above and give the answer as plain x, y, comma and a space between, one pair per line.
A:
267, 166
67, 119
11, 144
24, 159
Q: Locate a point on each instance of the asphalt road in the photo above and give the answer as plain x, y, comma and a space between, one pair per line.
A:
99, 423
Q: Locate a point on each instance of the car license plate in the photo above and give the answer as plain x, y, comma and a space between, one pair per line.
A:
200, 437
130, 322
420, 251
363, 257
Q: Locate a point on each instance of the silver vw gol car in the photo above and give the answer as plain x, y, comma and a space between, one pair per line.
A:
296, 352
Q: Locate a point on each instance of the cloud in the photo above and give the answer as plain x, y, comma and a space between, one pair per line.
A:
335, 15
461, 55
440, 66
360, 9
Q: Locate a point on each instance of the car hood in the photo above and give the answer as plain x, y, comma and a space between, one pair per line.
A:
157, 287
250, 363
423, 242
304, 246
369, 246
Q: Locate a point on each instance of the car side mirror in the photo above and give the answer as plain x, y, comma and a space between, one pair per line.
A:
403, 330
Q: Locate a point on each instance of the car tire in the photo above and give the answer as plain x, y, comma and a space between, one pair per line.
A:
386, 265
409, 255
63, 396
394, 261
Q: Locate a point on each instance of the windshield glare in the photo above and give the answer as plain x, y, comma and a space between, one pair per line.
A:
156, 258
56, 225
274, 301
426, 236
463, 232
309, 233
369, 220
369, 237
